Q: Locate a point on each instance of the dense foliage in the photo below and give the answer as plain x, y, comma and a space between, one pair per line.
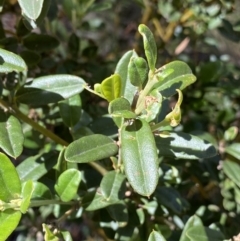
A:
119, 120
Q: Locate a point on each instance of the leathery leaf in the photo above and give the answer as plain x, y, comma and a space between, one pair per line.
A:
139, 156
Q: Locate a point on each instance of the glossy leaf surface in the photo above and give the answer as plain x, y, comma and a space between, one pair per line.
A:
31, 8
111, 87
150, 46
172, 76
112, 186
9, 180
90, 148
192, 221
11, 62
139, 156
233, 150
184, 146
156, 236
70, 110
11, 135
127, 89
50, 89
35, 167
67, 184
9, 220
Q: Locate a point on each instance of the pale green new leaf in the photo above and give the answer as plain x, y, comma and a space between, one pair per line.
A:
233, 150
11, 135
91, 148
9, 180
67, 184
27, 190
111, 87
139, 156
9, 220
232, 170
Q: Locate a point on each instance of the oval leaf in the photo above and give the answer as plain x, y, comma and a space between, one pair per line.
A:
41, 191
9, 220
172, 76
111, 87
233, 150
150, 46
67, 184
155, 236
40, 42
11, 135
91, 148
70, 110
50, 89
9, 180
138, 71
31, 8
127, 89
184, 146
11, 62
232, 170
139, 156
112, 186
35, 167
119, 104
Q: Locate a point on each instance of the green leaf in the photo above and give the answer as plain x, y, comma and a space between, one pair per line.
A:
49, 235
153, 104
232, 170
67, 184
150, 46
31, 8
138, 71
50, 89
94, 201
111, 87
30, 57
192, 222
139, 156
40, 42
10, 62
233, 150
127, 89
27, 190
40, 191
118, 105
112, 186
170, 198
35, 167
231, 133
91, 148
172, 76
70, 110
9, 220
119, 213
184, 146
11, 135
196, 233
156, 236
9, 180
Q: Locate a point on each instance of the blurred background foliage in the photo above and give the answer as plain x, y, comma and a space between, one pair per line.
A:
87, 38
